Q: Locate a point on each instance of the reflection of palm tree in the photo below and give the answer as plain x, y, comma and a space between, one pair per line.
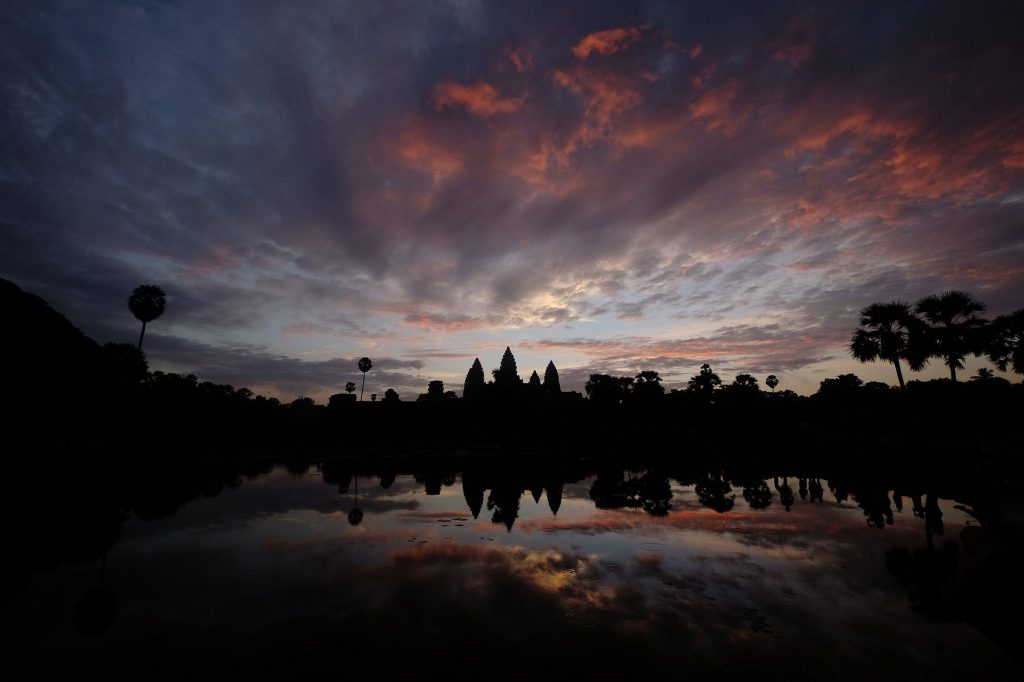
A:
953, 327
712, 490
917, 508
656, 493
817, 491
355, 517
758, 496
95, 613
932, 521
785, 492
364, 366
607, 491
875, 503
884, 334
147, 303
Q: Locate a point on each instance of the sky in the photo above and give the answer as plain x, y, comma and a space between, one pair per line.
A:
612, 186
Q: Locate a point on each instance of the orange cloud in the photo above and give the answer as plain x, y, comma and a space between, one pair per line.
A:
1014, 155
717, 108
732, 345
605, 95
898, 159
446, 321
479, 98
652, 133
607, 42
418, 148
715, 101
520, 58
443, 554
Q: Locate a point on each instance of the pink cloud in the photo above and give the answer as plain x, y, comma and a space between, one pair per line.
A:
480, 98
608, 42
717, 108
521, 58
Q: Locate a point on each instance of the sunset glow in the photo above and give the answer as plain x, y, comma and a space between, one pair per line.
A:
611, 186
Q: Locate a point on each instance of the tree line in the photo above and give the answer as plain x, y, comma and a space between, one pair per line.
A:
942, 326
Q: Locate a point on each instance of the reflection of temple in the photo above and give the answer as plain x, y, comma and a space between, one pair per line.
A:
554, 492
501, 488
504, 498
504, 502
473, 491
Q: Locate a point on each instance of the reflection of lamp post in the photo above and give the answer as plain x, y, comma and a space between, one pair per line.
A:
355, 516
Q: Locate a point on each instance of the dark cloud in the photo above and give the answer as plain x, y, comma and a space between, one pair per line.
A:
380, 175
284, 376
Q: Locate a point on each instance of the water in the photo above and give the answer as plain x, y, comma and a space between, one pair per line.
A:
270, 578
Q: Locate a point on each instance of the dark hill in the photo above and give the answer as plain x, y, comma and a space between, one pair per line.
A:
47, 356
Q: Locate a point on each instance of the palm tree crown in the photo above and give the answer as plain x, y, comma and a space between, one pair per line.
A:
886, 332
1006, 342
147, 303
953, 329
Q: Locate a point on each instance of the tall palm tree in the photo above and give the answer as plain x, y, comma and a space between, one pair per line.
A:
953, 329
771, 382
885, 333
364, 366
147, 303
1006, 342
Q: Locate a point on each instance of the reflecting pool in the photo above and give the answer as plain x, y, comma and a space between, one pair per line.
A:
489, 574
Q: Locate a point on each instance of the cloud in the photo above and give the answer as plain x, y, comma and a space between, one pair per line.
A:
521, 58
335, 183
479, 98
450, 321
608, 42
277, 375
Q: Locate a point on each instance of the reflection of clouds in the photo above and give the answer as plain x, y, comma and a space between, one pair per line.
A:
725, 593
370, 504
735, 603
436, 516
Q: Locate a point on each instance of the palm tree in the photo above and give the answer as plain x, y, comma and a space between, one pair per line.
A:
705, 382
147, 303
953, 329
885, 333
1006, 342
364, 366
984, 374
771, 381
